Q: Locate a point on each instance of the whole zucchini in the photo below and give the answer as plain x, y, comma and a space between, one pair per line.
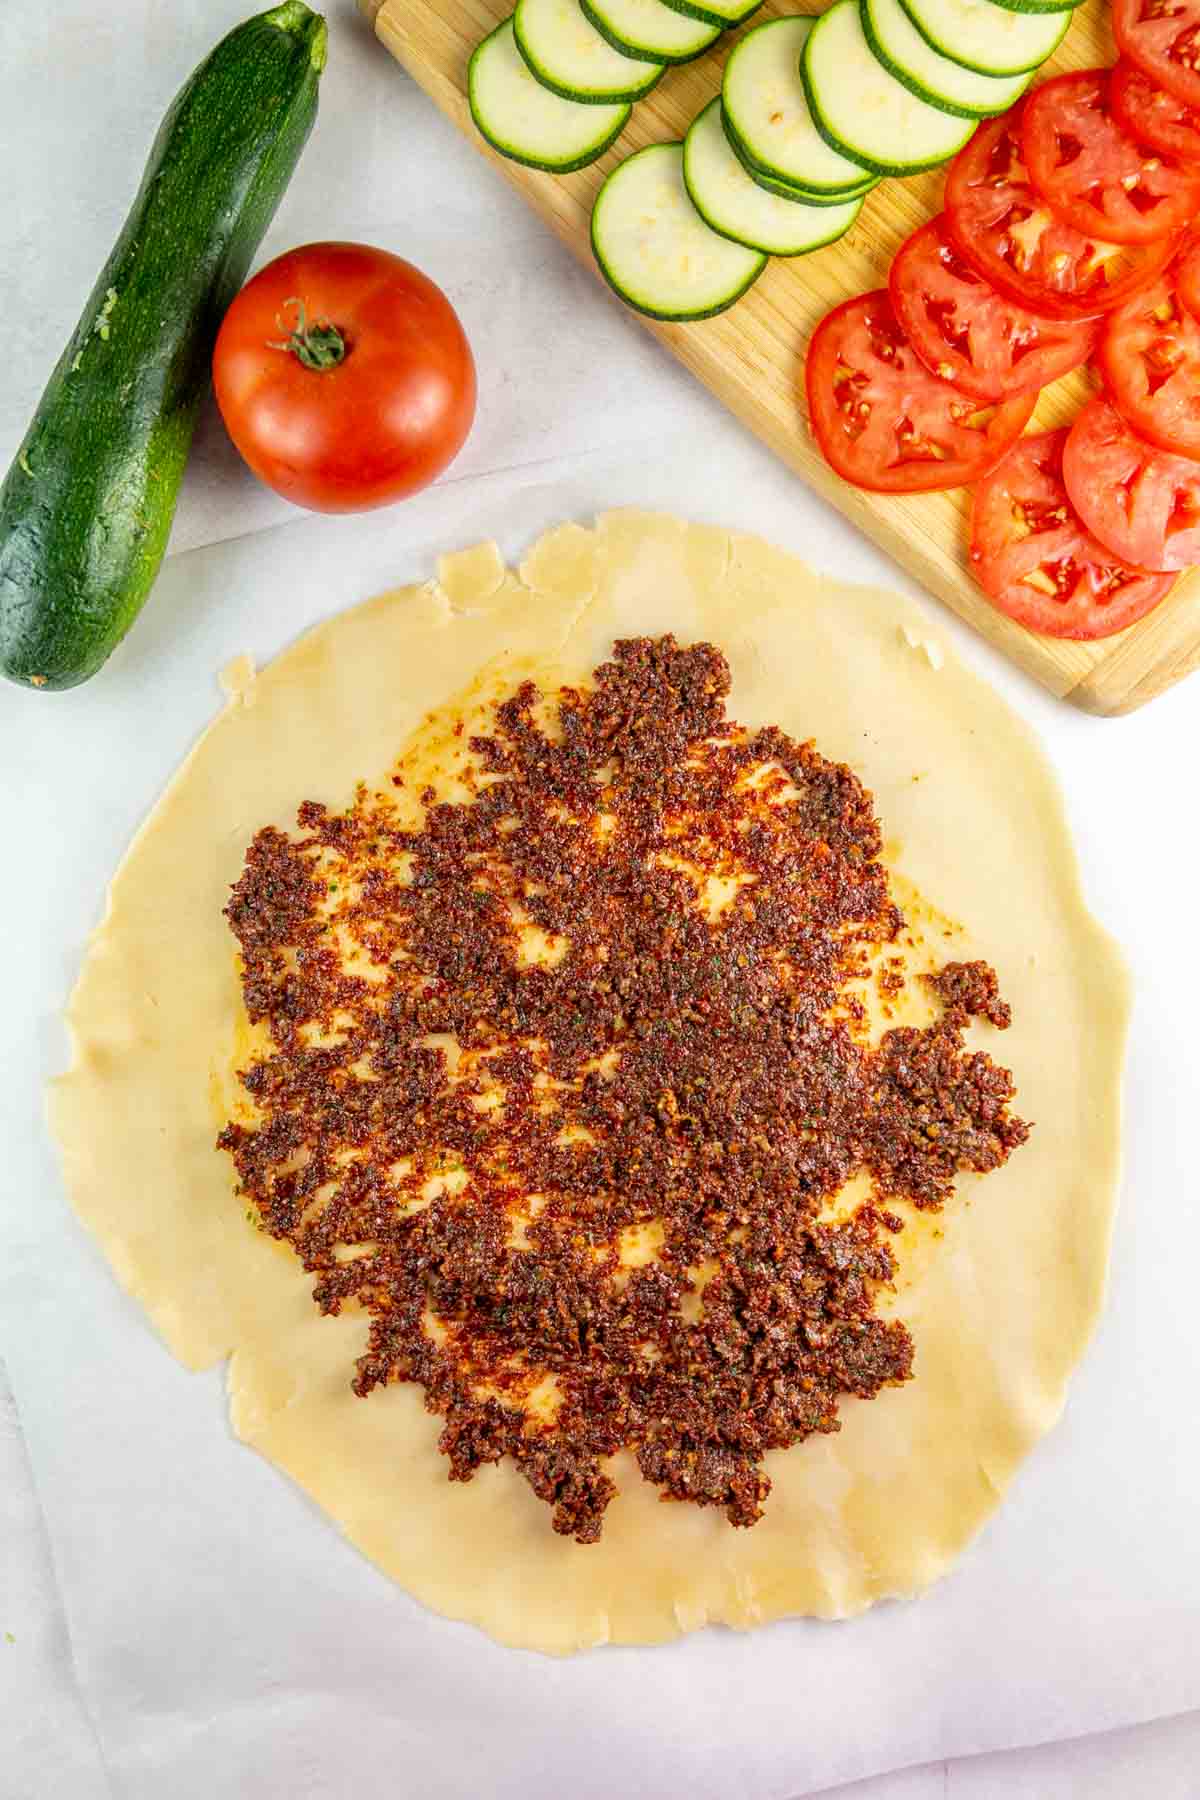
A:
86, 509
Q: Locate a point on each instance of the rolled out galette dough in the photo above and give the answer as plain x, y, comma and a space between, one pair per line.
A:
1001, 1291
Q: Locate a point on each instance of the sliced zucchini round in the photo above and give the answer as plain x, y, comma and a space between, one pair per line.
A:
524, 121
566, 53
899, 46
725, 13
861, 110
987, 37
655, 250
731, 202
769, 118
650, 28
788, 190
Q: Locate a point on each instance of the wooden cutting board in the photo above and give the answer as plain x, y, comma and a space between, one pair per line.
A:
751, 356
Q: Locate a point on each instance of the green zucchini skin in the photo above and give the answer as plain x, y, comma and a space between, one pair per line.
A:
1040, 6
695, 9
86, 508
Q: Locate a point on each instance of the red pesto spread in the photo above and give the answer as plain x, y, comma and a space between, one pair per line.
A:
697, 1073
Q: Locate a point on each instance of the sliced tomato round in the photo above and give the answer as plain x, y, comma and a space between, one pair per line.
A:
1149, 358
1002, 227
1033, 555
1141, 502
1093, 174
967, 333
1152, 114
1162, 37
883, 421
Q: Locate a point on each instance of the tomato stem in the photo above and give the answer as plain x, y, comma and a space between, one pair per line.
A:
318, 346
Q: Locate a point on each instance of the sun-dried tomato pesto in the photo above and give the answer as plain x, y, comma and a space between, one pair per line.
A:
565, 1077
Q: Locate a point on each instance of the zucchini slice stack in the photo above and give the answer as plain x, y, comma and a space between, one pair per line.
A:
812, 113
527, 121
555, 83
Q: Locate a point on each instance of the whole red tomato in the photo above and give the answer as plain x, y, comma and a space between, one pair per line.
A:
344, 377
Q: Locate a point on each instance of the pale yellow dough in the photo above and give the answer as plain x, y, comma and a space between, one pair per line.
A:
1001, 1306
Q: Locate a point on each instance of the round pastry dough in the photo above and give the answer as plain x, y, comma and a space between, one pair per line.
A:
1001, 1291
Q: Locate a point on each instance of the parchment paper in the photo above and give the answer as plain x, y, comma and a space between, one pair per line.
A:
49, 1746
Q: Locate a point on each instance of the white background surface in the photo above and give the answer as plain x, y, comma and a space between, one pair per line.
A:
183, 1621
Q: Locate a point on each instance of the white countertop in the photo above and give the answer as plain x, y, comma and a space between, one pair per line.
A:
576, 404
